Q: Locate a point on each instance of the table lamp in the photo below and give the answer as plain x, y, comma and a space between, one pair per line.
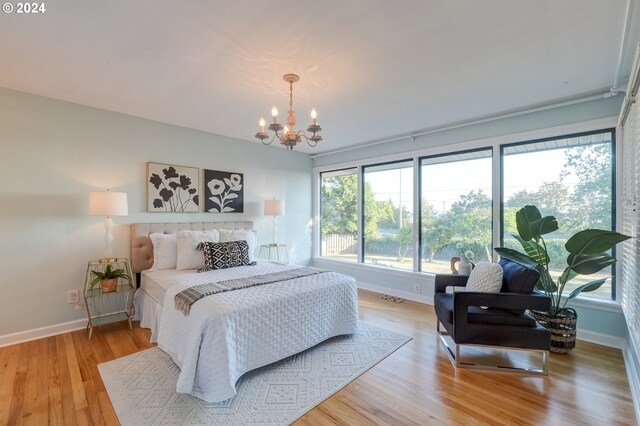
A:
108, 204
274, 208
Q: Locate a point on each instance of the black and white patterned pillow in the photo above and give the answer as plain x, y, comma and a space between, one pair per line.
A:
225, 255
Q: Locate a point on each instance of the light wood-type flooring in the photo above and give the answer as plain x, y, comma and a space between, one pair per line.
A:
56, 381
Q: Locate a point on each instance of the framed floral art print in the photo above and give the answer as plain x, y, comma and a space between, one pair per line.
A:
224, 192
172, 188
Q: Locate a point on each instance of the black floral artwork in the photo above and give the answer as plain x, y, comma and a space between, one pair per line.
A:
172, 188
224, 192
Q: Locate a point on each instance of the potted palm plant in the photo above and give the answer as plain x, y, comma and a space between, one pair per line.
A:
108, 279
587, 255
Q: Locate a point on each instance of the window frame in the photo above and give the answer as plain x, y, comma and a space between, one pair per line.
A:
611, 130
491, 150
320, 216
445, 147
361, 203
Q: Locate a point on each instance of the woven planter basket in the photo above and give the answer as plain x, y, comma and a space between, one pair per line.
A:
562, 328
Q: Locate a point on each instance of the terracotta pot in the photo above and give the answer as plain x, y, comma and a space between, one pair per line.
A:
109, 286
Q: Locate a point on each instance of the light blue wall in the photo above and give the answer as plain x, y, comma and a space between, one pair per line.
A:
594, 322
601, 321
53, 153
600, 108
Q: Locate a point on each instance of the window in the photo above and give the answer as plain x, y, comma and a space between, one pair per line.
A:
455, 209
339, 214
388, 214
570, 178
367, 212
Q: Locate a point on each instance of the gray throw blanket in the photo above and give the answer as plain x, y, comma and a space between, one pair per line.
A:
186, 298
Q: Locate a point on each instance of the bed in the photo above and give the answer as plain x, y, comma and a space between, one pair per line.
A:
227, 334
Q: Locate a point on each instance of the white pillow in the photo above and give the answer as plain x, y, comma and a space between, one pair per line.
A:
187, 241
247, 235
485, 277
164, 251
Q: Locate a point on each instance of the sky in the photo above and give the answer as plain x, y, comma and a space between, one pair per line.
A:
443, 184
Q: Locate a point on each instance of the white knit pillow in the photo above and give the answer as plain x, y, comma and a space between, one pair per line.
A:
165, 251
187, 241
227, 235
485, 277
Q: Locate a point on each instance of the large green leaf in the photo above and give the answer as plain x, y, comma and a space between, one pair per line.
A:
546, 225
567, 275
531, 224
534, 250
590, 286
516, 256
593, 241
524, 217
590, 263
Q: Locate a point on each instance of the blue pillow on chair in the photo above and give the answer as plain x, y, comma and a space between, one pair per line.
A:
517, 278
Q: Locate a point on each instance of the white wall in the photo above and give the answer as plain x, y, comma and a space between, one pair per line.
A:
53, 153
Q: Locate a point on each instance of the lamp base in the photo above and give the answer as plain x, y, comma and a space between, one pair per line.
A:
108, 260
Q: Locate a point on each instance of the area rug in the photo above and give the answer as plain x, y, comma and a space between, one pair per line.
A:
142, 385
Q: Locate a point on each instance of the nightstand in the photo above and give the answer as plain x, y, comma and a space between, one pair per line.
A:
280, 251
104, 308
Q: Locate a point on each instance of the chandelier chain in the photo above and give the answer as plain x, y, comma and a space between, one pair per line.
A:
291, 95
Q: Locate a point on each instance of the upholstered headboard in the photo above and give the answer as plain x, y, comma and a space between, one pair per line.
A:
142, 249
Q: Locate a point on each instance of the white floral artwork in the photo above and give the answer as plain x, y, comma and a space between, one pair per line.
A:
224, 192
172, 188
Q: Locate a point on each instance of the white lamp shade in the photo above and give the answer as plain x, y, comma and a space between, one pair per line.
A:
273, 207
108, 204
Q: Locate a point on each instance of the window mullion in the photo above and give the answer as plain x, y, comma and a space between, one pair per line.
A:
360, 236
496, 192
417, 220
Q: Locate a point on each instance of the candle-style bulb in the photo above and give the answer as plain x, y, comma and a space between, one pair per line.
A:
314, 114
286, 129
262, 123
274, 111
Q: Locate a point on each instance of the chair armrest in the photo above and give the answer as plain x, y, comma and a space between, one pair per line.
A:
449, 280
462, 301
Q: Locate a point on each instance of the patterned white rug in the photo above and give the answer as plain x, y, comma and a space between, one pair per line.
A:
142, 385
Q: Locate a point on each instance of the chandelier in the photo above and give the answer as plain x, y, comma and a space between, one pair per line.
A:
287, 134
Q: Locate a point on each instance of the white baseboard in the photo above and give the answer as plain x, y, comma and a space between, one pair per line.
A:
52, 330
40, 333
397, 293
632, 368
601, 339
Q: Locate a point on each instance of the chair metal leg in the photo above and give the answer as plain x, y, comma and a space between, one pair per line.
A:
457, 361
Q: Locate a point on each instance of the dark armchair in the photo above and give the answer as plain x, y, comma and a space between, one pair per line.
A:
493, 319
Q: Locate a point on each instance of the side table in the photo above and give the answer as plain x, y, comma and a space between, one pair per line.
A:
104, 308
280, 251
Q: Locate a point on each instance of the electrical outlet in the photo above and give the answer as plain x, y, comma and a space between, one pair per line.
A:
72, 296
417, 288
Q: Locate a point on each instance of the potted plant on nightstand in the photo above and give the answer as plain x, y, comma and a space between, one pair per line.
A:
586, 256
108, 279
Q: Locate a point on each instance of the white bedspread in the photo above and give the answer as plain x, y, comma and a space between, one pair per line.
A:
228, 334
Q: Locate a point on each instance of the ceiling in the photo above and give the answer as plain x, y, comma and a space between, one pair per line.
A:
372, 68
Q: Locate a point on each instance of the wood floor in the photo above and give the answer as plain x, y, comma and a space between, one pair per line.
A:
56, 381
